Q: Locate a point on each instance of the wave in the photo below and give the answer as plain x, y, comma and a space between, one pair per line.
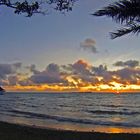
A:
72, 120
112, 112
118, 106
113, 106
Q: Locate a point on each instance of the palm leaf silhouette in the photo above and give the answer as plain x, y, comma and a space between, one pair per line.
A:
126, 12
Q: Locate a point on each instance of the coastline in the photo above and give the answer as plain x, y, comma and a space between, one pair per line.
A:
9, 131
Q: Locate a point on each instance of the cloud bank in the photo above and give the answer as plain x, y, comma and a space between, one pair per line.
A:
78, 76
129, 63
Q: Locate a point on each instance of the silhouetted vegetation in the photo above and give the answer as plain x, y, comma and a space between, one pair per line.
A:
29, 8
126, 12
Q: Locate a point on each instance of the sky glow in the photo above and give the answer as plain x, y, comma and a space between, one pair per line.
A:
71, 52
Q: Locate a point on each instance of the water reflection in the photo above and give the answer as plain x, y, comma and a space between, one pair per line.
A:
88, 112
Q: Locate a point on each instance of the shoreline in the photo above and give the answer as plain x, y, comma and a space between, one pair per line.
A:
9, 131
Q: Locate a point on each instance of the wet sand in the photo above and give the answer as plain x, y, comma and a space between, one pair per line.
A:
20, 132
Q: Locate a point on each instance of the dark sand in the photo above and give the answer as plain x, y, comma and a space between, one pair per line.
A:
19, 132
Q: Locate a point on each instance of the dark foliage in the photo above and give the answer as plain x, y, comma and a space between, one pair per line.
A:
126, 12
29, 8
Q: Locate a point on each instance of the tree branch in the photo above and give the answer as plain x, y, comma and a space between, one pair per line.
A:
33, 8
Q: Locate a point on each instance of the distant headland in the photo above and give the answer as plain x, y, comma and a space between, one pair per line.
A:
1, 89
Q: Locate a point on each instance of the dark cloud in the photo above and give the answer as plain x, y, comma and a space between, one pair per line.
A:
46, 79
102, 74
13, 80
81, 67
4, 82
51, 75
33, 69
128, 75
25, 82
89, 44
17, 65
129, 63
81, 70
53, 68
99, 70
7, 69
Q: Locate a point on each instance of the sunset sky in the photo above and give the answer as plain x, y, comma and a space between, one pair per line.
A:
67, 52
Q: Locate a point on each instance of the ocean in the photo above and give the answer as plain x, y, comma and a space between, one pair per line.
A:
103, 112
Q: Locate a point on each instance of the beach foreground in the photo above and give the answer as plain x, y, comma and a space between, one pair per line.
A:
19, 132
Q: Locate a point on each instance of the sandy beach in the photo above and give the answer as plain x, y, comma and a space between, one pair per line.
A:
20, 132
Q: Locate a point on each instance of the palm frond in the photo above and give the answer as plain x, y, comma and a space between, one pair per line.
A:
133, 28
122, 11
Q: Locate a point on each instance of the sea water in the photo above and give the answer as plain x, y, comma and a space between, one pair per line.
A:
107, 112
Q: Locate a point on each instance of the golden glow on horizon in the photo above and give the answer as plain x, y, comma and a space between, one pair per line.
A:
116, 86
75, 84
71, 80
80, 87
117, 130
